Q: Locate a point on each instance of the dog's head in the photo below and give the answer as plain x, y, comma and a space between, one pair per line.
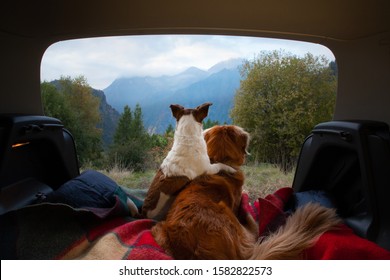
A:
189, 121
227, 144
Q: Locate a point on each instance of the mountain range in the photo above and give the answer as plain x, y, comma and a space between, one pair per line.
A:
189, 88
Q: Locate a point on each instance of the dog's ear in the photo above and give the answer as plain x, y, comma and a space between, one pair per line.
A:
200, 112
177, 111
245, 138
240, 138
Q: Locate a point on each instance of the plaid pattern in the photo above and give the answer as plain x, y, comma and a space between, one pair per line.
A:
59, 231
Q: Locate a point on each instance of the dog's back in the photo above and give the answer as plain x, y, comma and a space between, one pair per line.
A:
188, 155
202, 220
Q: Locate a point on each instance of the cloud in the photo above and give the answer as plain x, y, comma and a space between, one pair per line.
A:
102, 60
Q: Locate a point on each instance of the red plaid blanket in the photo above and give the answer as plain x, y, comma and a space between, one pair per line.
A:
59, 231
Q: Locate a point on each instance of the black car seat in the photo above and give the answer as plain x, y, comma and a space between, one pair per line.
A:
37, 155
350, 161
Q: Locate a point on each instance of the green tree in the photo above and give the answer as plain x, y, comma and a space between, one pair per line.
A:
55, 104
85, 107
138, 129
169, 131
280, 99
209, 123
71, 101
131, 141
124, 129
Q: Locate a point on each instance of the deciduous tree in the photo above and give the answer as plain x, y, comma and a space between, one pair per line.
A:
71, 101
281, 97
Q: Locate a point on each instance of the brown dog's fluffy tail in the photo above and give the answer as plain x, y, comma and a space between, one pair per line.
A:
301, 231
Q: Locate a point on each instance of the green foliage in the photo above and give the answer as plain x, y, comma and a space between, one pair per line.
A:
209, 123
158, 141
131, 141
71, 101
124, 129
131, 155
170, 130
55, 104
280, 99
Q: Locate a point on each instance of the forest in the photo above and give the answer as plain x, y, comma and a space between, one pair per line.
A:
280, 98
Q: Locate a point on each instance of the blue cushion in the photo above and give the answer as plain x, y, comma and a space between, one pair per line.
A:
90, 189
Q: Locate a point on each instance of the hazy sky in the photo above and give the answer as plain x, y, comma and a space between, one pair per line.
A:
102, 60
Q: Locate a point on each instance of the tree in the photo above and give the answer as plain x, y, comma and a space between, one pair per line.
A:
280, 99
131, 141
55, 104
138, 129
169, 131
124, 129
71, 101
209, 123
85, 108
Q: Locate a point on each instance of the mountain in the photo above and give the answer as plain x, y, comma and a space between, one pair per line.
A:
233, 63
218, 88
143, 90
189, 88
109, 118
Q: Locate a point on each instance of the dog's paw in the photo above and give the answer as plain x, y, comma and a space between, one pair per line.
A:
230, 169
218, 167
226, 168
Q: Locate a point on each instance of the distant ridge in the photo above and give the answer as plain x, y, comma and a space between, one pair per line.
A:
109, 118
188, 88
227, 64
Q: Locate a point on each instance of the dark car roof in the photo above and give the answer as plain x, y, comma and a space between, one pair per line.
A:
316, 20
356, 31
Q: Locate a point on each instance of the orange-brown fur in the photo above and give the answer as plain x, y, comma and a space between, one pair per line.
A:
203, 221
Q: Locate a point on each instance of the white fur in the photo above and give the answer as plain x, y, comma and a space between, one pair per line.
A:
132, 207
188, 156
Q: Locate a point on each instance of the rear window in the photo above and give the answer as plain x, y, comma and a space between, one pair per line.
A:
114, 93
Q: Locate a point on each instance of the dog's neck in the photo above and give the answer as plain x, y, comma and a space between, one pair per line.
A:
188, 127
189, 133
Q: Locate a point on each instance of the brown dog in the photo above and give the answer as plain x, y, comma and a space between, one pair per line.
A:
202, 222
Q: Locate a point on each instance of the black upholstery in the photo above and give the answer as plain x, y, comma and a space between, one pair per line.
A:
350, 160
34, 149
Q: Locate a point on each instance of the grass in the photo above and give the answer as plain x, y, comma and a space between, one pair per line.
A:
264, 179
129, 179
260, 180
